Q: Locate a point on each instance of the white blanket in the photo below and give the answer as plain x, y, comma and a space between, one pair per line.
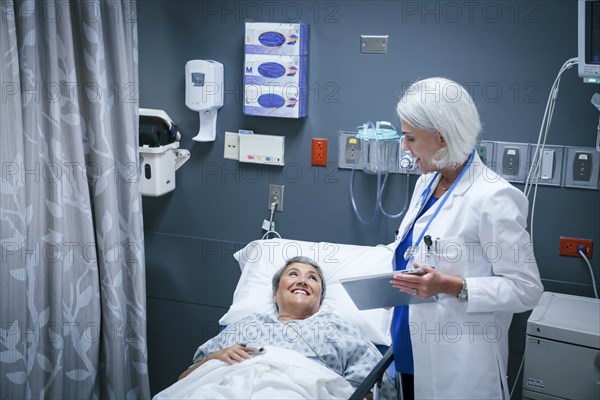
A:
277, 374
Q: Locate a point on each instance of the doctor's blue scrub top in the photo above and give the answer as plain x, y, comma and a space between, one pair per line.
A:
403, 356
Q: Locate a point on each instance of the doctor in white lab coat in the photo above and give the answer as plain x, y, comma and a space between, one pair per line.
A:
466, 229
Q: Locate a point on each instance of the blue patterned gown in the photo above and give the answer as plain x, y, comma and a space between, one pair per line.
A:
323, 337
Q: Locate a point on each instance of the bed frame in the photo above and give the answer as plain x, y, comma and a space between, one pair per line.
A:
373, 380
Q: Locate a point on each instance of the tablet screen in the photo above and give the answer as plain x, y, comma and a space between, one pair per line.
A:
376, 291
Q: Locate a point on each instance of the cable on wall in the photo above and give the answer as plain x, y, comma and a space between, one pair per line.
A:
269, 225
532, 176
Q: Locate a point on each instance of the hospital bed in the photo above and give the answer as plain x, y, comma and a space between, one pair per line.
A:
260, 259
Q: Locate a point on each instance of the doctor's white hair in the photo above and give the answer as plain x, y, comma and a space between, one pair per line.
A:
444, 106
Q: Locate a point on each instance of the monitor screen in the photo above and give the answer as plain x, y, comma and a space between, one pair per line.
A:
593, 56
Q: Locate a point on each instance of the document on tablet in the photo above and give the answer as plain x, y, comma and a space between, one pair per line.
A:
376, 291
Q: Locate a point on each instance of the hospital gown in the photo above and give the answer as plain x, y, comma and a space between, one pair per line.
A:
323, 337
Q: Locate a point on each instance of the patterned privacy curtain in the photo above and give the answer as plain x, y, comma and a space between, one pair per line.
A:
72, 284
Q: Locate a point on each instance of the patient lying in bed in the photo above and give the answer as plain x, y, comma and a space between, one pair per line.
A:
306, 353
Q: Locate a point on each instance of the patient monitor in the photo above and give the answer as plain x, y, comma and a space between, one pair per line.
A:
589, 40
204, 93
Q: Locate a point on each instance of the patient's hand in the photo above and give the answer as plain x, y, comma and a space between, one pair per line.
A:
230, 355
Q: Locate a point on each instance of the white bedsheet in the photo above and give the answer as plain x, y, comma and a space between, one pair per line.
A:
277, 374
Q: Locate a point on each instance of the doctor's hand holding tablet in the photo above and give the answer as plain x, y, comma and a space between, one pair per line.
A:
425, 281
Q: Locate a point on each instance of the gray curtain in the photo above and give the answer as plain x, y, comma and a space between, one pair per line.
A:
72, 283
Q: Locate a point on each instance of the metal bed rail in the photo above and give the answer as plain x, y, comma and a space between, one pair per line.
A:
374, 378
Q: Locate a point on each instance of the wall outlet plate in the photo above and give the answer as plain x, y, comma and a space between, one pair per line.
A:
485, 150
319, 152
231, 149
511, 161
348, 149
551, 166
570, 247
581, 167
276, 195
374, 43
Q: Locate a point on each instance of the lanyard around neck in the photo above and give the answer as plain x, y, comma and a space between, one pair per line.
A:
440, 203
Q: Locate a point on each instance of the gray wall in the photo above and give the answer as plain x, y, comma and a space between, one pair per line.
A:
507, 53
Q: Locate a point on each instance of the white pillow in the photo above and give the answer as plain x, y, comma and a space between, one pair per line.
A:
260, 259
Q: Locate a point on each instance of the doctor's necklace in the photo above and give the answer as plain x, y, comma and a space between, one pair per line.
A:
412, 249
450, 182
444, 188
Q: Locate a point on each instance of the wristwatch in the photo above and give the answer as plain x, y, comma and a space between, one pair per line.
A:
464, 294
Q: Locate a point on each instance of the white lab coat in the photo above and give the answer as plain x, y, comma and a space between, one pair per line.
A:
461, 349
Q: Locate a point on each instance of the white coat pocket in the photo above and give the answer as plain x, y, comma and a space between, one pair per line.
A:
483, 381
451, 256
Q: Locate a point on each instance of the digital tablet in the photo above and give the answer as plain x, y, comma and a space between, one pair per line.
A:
376, 291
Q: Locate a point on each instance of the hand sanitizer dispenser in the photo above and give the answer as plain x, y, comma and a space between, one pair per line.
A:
204, 93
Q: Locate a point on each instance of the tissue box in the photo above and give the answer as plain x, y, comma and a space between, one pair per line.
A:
288, 101
276, 38
261, 69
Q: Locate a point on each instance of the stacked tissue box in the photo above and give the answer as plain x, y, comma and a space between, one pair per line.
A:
275, 69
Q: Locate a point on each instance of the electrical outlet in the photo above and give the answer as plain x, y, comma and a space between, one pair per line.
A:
276, 195
570, 246
319, 152
232, 146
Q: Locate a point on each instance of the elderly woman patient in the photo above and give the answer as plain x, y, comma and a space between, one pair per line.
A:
300, 325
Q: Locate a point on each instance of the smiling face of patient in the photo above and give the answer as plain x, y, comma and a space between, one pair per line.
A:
299, 293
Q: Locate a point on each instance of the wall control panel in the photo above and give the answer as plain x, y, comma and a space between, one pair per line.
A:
549, 171
254, 148
560, 166
348, 149
581, 168
511, 161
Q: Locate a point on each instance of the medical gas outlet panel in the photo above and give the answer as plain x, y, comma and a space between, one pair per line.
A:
561, 166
